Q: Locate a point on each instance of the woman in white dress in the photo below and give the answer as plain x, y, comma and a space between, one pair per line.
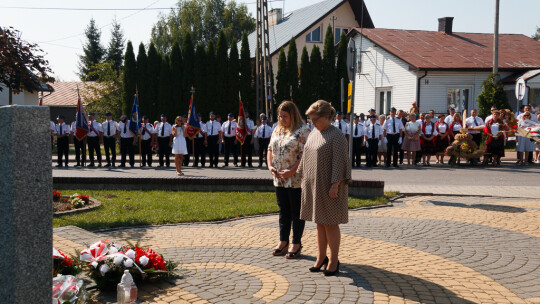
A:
524, 144
179, 147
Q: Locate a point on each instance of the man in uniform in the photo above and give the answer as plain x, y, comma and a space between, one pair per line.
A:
358, 136
341, 125
127, 142
213, 139
95, 138
393, 131
368, 120
164, 138
263, 134
248, 142
200, 139
229, 139
62, 131
373, 139
147, 141
109, 139
80, 146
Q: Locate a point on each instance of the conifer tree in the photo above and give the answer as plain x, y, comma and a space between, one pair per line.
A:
153, 78
129, 76
234, 76
116, 47
292, 69
188, 54
142, 80
210, 85
282, 85
329, 93
341, 68
304, 99
93, 52
164, 101
199, 80
176, 78
222, 71
315, 69
246, 75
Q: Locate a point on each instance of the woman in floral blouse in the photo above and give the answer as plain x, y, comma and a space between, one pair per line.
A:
284, 154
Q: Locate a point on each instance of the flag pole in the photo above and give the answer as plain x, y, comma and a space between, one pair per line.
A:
193, 139
241, 144
138, 135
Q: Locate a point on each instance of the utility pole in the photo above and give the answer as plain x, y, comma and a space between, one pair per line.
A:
496, 44
262, 60
333, 19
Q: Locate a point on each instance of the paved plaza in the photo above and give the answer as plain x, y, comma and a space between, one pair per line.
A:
422, 249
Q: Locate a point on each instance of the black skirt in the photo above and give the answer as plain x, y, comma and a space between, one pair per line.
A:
441, 144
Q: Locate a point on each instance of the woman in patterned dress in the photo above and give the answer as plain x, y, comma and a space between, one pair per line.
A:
326, 172
284, 155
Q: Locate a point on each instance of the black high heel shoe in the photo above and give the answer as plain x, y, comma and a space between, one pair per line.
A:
317, 269
328, 273
282, 251
294, 255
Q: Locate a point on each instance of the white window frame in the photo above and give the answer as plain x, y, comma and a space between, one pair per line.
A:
337, 33
310, 35
469, 105
387, 105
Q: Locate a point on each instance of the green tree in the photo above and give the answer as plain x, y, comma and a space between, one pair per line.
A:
211, 79
202, 103
142, 81
165, 103
20, 64
341, 67
492, 95
282, 85
292, 69
152, 78
315, 69
246, 75
93, 51
116, 47
222, 71
203, 19
536, 35
304, 98
188, 54
177, 83
329, 93
102, 95
234, 76
129, 79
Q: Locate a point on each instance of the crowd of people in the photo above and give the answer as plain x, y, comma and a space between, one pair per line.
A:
378, 139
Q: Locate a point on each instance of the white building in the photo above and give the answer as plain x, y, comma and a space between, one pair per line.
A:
438, 70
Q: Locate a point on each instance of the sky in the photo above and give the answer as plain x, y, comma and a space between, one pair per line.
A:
60, 33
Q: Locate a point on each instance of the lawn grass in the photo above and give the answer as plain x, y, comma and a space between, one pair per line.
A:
138, 208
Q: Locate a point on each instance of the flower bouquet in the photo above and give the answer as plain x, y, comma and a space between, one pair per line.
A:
107, 262
56, 195
67, 289
62, 264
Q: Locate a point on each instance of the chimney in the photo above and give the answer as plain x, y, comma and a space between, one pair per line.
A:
274, 16
445, 25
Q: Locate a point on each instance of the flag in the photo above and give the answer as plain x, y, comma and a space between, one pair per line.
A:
349, 96
134, 121
193, 126
81, 123
241, 131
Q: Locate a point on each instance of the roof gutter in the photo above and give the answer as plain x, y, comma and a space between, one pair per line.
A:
418, 89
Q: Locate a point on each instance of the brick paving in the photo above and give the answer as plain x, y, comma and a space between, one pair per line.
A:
424, 249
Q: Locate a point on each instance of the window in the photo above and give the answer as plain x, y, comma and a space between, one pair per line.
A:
337, 34
385, 101
458, 98
314, 36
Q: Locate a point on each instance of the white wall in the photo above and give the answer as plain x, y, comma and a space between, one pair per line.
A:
382, 70
23, 98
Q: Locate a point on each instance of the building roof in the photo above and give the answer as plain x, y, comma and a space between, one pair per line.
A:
427, 50
295, 23
526, 76
65, 93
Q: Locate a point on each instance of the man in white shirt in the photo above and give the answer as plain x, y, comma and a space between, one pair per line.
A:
213, 138
448, 120
127, 142
164, 137
52, 128
146, 131
393, 131
341, 125
62, 131
528, 108
357, 136
200, 150
109, 139
368, 120
493, 109
248, 143
229, 139
263, 134
374, 136
433, 116
95, 138
475, 125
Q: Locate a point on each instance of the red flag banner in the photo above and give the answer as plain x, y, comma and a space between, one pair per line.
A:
81, 125
241, 131
193, 126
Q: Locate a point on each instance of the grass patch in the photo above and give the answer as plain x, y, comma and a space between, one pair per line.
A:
138, 208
